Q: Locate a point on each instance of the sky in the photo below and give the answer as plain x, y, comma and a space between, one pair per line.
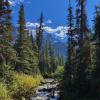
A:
54, 11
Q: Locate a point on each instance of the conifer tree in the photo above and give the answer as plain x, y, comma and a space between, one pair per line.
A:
96, 72
58, 57
66, 85
27, 61
39, 35
52, 59
5, 32
34, 45
7, 53
62, 61
47, 58
84, 60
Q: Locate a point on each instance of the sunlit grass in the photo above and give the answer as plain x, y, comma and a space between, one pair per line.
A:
4, 94
24, 85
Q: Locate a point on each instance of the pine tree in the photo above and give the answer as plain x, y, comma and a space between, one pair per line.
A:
5, 32
84, 60
66, 85
39, 35
34, 44
7, 53
96, 72
58, 57
47, 58
62, 60
52, 59
27, 61
33, 55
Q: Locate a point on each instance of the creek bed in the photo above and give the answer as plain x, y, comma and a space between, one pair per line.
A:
48, 90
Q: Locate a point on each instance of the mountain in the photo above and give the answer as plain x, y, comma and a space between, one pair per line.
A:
57, 36
57, 43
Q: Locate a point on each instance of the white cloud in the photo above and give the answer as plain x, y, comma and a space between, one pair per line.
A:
14, 2
50, 29
48, 21
59, 31
30, 24
11, 2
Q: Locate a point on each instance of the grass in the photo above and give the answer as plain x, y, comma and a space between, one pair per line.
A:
4, 94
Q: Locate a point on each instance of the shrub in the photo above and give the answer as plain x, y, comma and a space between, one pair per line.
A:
4, 94
59, 71
24, 85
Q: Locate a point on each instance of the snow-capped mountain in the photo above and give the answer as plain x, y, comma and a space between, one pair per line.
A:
58, 33
57, 43
57, 36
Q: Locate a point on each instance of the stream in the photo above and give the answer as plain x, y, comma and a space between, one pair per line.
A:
48, 90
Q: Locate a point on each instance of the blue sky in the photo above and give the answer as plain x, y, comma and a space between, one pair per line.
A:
54, 10
55, 14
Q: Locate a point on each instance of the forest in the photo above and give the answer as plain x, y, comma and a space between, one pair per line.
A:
26, 60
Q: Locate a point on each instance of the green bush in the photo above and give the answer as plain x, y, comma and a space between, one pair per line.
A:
23, 85
4, 94
59, 71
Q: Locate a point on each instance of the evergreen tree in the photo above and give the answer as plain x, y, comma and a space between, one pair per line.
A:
39, 35
52, 59
96, 72
7, 53
5, 33
27, 61
78, 66
84, 58
58, 57
62, 60
34, 45
47, 58
66, 84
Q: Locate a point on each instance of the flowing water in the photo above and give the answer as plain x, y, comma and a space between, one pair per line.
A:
48, 90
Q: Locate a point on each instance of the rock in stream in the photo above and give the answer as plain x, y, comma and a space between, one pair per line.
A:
48, 90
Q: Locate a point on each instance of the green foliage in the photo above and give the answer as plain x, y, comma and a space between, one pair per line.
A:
27, 57
23, 85
47, 58
39, 37
7, 52
59, 72
39, 33
77, 75
96, 72
4, 93
6, 73
80, 78
52, 59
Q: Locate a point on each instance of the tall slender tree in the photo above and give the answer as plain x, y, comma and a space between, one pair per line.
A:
52, 58
7, 53
96, 73
5, 32
58, 57
66, 86
39, 35
27, 61
84, 60
47, 58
